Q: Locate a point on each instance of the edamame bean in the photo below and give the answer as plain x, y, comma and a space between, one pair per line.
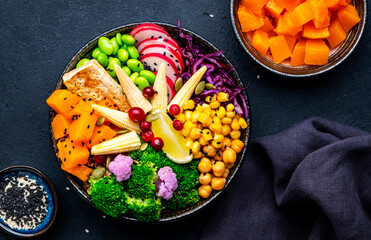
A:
105, 45
102, 59
115, 45
95, 53
133, 52
118, 38
111, 69
82, 62
135, 65
124, 46
141, 82
134, 76
123, 55
150, 76
128, 39
127, 70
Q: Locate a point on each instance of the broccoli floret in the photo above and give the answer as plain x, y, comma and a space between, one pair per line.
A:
146, 210
107, 195
182, 199
141, 183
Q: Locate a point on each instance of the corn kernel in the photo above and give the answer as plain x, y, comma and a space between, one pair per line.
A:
221, 112
195, 115
181, 117
226, 129
196, 147
184, 132
213, 113
188, 139
215, 104
208, 123
188, 125
214, 98
216, 120
235, 134
216, 144
202, 141
188, 115
216, 128
243, 123
207, 110
226, 143
218, 141
208, 98
230, 107
235, 125
206, 134
226, 120
218, 137
195, 133
199, 108
199, 126
203, 117
205, 105
230, 114
238, 116
222, 97
198, 155
190, 104
189, 144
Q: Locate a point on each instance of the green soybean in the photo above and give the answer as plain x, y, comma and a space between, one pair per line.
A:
127, 70
128, 39
95, 53
133, 52
111, 69
118, 38
150, 76
102, 59
123, 55
135, 65
82, 62
141, 82
105, 45
115, 45
124, 46
134, 76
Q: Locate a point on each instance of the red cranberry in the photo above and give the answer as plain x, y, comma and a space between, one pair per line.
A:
178, 125
145, 126
148, 92
147, 136
174, 109
100, 159
157, 143
137, 114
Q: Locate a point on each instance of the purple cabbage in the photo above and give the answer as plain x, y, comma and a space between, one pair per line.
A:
217, 74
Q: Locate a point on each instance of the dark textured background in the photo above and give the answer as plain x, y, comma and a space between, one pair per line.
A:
38, 39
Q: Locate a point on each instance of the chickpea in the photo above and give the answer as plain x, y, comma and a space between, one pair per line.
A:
205, 178
218, 155
218, 183
226, 173
204, 191
237, 145
229, 165
204, 165
229, 155
209, 150
226, 143
218, 168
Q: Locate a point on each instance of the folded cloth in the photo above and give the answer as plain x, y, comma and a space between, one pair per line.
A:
312, 181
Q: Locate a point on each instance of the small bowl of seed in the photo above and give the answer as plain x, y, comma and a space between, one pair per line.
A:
28, 205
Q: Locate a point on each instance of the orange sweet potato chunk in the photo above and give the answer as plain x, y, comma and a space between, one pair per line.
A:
101, 134
284, 27
279, 48
336, 4
74, 153
289, 4
82, 172
291, 41
311, 32
82, 106
337, 33
273, 8
321, 14
60, 126
301, 15
248, 20
316, 52
267, 26
260, 41
253, 4
62, 101
81, 130
348, 17
298, 55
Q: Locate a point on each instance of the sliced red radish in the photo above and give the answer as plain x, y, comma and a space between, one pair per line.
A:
167, 42
170, 88
148, 33
153, 61
167, 51
146, 25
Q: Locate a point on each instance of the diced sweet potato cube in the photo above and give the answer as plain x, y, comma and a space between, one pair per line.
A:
260, 41
82, 129
298, 55
75, 154
253, 4
101, 134
321, 14
316, 52
284, 27
291, 41
60, 126
301, 15
82, 172
336, 4
337, 33
279, 48
273, 8
82, 106
289, 4
248, 20
62, 101
348, 17
268, 26
311, 32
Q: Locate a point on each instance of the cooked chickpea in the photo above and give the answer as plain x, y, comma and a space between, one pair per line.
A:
229, 165
226, 143
226, 173
218, 168
226, 129
229, 155
218, 183
226, 120
218, 155
237, 145
204, 165
204, 191
209, 150
205, 178
235, 134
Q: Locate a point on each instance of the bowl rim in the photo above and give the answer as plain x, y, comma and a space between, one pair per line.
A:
290, 75
194, 210
36, 171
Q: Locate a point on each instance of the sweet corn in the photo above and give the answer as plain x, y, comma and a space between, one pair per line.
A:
215, 104
207, 110
199, 126
208, 99
184, 132
208, 123
221, 112
226, 120
206, 134
195, 133
218, 141
181, 117
132, 92
123, 143
196, 147
213, 113
230, 107
202, 141
222, 97
216, 120
205, 105
189, 139
199, 108
230, 114
237, 145
235, 134
188, 115
189, 105
195, 115
235, 125
159, 100
203, 117
226, 129
214, 98
188, 125
226, 143
216, 128
197, 155
243, 123
189, 144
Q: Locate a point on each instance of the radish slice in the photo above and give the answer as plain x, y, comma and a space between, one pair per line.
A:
167, 42
170, 88
148, 33
165, 49
146, 25
153, 61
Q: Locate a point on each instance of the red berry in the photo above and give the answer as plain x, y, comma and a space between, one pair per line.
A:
100, 159
137, 114
144, 126
178, 125
148, 92
157, 143
147, 136
174, 110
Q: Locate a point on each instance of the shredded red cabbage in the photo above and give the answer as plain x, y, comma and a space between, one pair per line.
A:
217, 74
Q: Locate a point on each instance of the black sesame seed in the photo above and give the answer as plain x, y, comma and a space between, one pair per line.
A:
99, 132
152, 37
69, 152
159, 36
88, 126
171, 55
155, 64
64, 98
164, 53
176, 61
166, 39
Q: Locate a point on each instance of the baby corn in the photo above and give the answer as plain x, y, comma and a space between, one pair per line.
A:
123, 143
159, 101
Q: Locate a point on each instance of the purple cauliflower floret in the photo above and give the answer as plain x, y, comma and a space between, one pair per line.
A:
121, 167
166, 183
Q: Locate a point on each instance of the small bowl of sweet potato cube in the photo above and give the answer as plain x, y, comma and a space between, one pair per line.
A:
298, 38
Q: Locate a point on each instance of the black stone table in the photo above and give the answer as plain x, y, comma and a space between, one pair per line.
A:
38, 38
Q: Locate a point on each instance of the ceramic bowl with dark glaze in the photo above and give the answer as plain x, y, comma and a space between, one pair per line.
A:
337, 55
206, 46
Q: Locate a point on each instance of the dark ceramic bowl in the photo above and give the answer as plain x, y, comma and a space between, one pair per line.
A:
337, 55
33, 173
86, 51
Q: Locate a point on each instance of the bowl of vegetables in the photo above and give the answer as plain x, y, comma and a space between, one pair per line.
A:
298, 38
149, 122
